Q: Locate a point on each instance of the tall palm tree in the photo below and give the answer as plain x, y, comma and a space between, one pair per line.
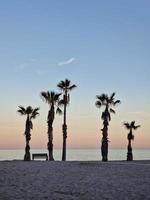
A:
52, 99
107, 102
130, 126
31, 114
65, 86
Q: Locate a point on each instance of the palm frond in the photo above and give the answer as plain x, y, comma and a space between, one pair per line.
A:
61, 102
112, 111
36, 109
103, 116
33, 116
133, 123
72, 87
35, 113
112, 96
50, 97
102, 97
21, 112
66, 85
56, 97
61, 85
136, 127
67, 82
109, 116
22, 108
127, 125
31, 125
98, 104
117, 102
59, 111
44, 96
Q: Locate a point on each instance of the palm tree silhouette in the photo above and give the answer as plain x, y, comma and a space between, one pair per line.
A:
65, 87
31, 114
107, 102
52, 99
130, 126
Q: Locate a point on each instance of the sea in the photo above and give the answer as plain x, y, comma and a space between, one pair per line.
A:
79, 154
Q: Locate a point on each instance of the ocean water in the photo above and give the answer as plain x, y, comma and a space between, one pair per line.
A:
79, 154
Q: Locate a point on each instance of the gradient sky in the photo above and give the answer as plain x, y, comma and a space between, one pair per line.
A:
101, 46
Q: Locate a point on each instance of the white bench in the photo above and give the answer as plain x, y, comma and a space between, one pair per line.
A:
39, 155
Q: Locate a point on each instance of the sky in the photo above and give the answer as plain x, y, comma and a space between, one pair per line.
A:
101, 46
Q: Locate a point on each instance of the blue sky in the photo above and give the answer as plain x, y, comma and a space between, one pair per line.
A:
102, 46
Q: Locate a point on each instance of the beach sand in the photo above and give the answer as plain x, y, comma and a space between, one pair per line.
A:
40, 180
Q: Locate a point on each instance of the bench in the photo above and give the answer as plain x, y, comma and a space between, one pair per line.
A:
39, 155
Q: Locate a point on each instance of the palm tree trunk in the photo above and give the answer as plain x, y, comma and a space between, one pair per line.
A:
50, 119
64, 128
50, 141
27, 156
104, 146
64, 142
129, 153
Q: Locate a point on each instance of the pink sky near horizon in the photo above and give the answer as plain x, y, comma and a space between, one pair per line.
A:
83, 132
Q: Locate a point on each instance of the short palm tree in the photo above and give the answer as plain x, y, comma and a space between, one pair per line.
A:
65, 86
107, 102
130, 126
31, 114
52, 99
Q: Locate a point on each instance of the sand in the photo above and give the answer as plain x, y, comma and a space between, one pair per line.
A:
40, 180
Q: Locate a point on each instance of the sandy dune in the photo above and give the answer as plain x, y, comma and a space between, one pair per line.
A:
39, 180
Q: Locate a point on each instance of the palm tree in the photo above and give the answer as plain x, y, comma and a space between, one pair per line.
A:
52, 99
31, 114
65, 86
130, 126
107, 102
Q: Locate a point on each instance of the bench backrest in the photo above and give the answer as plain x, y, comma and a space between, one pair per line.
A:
39, 155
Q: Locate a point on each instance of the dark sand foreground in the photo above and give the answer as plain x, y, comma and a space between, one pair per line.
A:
39, 180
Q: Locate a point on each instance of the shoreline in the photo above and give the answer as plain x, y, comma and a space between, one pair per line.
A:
78, 161
79, 155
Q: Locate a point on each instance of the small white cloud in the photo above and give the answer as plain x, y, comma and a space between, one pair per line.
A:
66, 62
